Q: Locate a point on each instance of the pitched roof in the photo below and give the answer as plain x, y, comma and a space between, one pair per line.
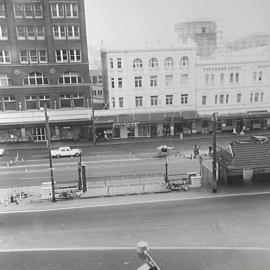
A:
250, 154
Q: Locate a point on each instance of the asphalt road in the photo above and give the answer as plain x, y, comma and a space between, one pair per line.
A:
182, 259
217, 233
100, 161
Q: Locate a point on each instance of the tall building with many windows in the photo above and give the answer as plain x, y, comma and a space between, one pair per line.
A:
43, 60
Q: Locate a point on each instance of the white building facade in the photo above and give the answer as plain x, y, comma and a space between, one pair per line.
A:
172, 91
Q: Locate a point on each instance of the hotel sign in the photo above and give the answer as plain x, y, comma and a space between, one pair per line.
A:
221, 68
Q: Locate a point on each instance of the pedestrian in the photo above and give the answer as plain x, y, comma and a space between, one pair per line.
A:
210, 148
196, 150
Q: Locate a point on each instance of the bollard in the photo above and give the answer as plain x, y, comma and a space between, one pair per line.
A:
84, 178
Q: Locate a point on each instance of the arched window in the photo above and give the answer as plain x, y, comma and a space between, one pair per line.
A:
168, 62
137, 63
35, 78
70, 78
153, 63
184, 61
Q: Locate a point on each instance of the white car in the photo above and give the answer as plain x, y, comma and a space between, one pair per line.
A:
66, 151
2, 151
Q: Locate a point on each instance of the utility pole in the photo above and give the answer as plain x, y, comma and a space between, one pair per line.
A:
48, 135
166, 171
214, 177
93, 117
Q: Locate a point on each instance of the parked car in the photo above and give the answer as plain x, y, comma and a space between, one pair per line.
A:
2, 151
259, 139
66, 151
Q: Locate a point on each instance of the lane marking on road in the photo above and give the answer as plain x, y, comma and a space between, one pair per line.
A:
112, 204
108, 248
34, 178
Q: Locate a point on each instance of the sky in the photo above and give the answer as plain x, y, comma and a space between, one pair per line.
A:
124, 24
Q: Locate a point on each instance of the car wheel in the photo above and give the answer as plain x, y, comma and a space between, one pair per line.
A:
77, 154
58, 156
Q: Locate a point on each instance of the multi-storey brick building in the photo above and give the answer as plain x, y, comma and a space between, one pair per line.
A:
43, 59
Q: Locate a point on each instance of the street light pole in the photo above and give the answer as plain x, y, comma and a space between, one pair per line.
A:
93, 117
214, 178
143, 253
49, 150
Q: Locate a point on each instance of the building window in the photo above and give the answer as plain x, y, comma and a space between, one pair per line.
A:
153, 81
119, 62
121, 102
154, 100
75, 55
239, 97
18, 10
237, 77
112, 83
168, 62
184, 61
94, 79
260, 76
212, 78
21, 34
231, 77
70, 78
184, 99
138, 81
59, 32
2, 11
28, 11
78, 100
111, 62
222, 78
261, 96
94, 92
5, 80
251, 97
169, 99
204, 99
206, 79
31, 102
100, 79
5, 57
61, 56
44, 100
9, 103
138, 101
256, 97
35, 78
153, 63
120, 82
73, 31
72, 11
42, 56
23, 57
254, 76
40, 32
57, 10
169, 80
227, 99
38, 11
31, 34
100, 93
33, 56
113, 102
216, 99
221, 99
65, 101
184, 79
3, 32
137, 63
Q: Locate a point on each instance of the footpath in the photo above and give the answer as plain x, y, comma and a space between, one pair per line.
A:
204, 192
159, 140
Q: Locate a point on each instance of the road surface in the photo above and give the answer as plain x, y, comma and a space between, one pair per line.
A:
215, 233
100, 161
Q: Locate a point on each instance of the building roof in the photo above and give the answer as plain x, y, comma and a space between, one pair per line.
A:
248, 154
